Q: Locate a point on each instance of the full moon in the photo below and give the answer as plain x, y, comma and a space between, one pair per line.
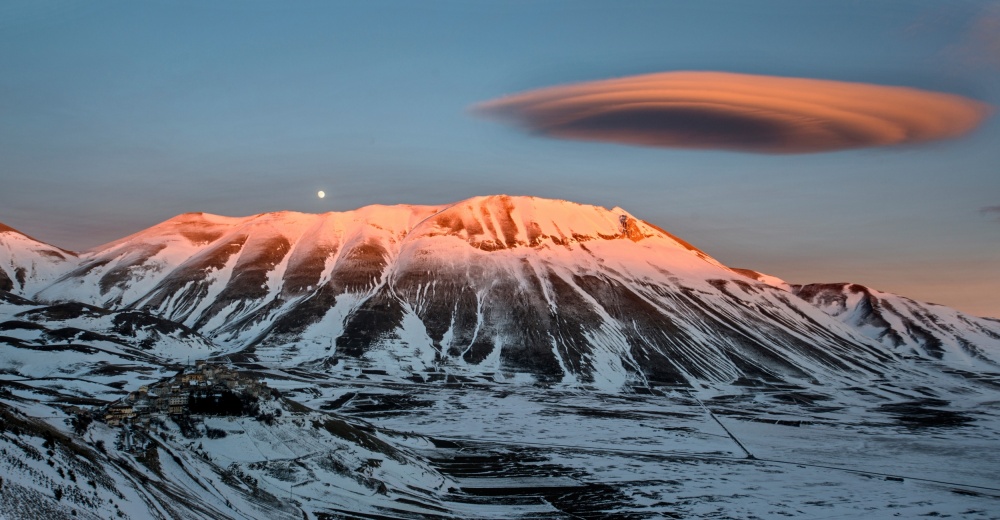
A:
321, 194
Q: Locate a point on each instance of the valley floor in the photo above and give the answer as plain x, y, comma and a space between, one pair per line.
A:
354, 442
749, 452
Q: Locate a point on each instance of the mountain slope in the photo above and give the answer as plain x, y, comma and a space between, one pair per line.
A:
26, 264
489, 285
905, 325
59, 464
568, 291
398, 332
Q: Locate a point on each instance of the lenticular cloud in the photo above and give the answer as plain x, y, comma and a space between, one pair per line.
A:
717, 110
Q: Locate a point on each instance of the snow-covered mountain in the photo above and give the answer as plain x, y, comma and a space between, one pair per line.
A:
496, 284
393, 341
27, 265
909, 326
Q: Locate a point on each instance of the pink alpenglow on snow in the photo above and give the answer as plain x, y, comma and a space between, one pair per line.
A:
742, 112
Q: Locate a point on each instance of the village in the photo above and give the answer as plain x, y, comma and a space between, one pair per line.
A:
207, 389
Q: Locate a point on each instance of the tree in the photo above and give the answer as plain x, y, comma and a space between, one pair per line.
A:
80, 423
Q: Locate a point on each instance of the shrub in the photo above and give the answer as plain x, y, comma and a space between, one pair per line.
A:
213, 433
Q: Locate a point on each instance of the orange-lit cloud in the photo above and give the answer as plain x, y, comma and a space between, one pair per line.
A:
719, 110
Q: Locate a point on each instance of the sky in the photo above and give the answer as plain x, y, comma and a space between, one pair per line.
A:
115, 116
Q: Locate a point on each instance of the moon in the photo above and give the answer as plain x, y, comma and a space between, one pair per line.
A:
321, 194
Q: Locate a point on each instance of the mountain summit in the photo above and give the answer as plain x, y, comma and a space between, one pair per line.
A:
498, 284
26, 264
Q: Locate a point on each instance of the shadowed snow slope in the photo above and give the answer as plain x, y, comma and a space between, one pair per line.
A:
496, 284
912, 327
27, 265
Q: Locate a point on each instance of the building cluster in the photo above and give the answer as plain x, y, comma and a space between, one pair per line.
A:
171, 396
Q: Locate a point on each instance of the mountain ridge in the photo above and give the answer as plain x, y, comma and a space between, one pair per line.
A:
498, 284
27, 264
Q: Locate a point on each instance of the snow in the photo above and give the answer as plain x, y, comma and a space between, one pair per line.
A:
672, 458
653, 454
807, 382
40, 263
924, 329
472, 244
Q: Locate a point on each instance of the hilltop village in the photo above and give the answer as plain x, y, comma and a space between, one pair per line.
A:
206, 389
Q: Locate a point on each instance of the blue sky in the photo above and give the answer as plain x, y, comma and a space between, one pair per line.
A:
117, 115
